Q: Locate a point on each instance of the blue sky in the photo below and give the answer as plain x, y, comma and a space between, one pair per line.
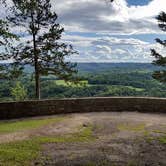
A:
138, 2
123, 31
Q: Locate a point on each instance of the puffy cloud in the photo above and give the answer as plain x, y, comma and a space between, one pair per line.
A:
120, 51
116, 18
112, 49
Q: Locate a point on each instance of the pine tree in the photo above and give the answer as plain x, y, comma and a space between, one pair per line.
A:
160, 60
44, 52
5, 46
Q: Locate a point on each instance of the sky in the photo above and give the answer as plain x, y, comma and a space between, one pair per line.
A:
122, 31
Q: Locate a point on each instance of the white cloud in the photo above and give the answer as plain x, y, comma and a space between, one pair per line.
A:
116, 18
120, 51
112, 49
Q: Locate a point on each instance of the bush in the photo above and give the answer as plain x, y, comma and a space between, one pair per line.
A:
18, 92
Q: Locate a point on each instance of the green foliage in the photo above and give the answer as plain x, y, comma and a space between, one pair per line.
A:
18, 92
160, 60
5, 34
6, 39
116, 82
10, 72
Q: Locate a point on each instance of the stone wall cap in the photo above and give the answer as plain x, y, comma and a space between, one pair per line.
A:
83, 98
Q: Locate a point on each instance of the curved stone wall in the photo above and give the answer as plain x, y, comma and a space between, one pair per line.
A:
11, 110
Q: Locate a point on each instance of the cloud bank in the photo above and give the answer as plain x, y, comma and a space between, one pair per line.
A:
105, 32
115, 18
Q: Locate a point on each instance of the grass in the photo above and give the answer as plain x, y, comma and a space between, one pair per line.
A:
18, 153
132, 127
141, 128
9, 127
162, 140
24, 152
80, 84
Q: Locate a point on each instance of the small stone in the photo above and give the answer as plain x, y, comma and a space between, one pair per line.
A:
85, 125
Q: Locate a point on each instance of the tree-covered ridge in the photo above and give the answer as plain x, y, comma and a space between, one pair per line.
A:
121, 81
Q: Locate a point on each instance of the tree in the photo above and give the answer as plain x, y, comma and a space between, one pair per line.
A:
5, 46
42, 51
160, 60
18, 92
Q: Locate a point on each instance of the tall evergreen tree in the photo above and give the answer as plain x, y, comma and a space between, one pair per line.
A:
6, 37
43, 50
160, 60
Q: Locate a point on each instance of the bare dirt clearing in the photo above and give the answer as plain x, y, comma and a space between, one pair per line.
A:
119, 139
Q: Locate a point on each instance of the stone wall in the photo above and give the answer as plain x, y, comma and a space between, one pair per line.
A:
11, 110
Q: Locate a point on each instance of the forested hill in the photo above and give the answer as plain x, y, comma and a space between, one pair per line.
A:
99, 79
97, 67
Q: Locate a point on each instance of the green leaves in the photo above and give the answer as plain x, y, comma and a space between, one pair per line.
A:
160, 60
18, 92
5, 35
162, 21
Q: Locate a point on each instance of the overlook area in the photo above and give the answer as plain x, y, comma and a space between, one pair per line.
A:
103, 139
84, 132
82, 83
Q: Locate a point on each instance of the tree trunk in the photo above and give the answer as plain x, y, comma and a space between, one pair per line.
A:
37, 73
37, 82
